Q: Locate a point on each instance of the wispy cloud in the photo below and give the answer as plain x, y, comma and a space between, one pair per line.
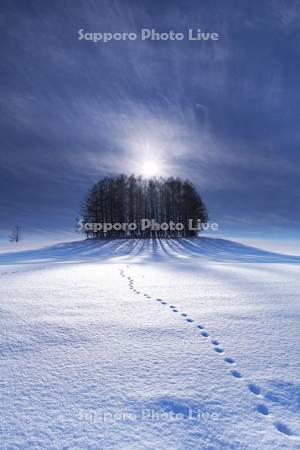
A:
222, 114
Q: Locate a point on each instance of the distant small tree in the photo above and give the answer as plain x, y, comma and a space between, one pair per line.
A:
15, 235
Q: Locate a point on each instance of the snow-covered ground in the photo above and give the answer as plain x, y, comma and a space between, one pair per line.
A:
177, 344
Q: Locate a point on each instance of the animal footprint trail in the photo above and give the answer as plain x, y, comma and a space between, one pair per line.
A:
229, 360
261, 408
254, 389
282, 428
219, 349
236, 374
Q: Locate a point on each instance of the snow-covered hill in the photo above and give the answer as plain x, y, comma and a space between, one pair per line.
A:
156, 249
175, 344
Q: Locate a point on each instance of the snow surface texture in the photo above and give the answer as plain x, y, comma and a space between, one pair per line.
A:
175, 344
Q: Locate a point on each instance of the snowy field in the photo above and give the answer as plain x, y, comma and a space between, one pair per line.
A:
161, 345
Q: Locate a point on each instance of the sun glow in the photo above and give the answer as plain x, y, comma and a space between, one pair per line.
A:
150, 169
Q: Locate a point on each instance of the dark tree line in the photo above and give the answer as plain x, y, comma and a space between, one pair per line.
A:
124, 199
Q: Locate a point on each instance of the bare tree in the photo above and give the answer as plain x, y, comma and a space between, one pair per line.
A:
15, 235
123, 199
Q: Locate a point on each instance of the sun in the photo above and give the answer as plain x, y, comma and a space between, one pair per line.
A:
150, 169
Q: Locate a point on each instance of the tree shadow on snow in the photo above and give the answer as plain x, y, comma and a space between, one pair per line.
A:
139, 250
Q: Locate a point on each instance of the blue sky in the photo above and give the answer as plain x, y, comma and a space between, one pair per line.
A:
224, 114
